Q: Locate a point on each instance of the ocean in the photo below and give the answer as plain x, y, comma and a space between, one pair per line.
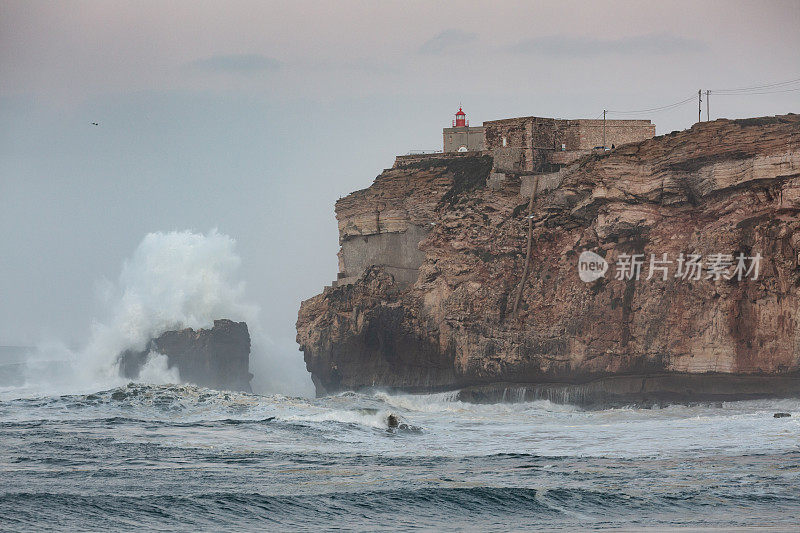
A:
81, 449
178, 457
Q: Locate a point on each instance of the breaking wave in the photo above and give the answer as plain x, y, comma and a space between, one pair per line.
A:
173, 457
173, 280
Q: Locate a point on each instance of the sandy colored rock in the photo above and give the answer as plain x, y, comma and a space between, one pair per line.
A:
727, 186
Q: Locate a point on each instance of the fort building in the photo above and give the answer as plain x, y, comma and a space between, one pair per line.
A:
538, 144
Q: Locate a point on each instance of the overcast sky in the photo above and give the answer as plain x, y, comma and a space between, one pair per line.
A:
254, 117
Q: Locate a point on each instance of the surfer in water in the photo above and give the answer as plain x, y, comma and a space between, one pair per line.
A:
394, 424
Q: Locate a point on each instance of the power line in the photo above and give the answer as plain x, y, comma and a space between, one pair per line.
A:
763, 92
756, 87
774, 88
653, 109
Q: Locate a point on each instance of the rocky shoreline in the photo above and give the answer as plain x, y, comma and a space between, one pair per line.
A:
644, 390
448, 318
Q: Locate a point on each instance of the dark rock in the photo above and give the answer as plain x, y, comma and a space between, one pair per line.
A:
217, 358
781, 415
642, 390
118, 395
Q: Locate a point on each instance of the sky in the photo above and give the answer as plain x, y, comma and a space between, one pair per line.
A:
254, 117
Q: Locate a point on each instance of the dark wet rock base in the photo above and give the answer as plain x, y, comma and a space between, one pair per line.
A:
217, 358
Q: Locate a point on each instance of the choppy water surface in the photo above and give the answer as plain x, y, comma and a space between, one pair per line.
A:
181, 457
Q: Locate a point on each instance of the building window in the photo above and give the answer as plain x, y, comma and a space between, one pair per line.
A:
505, 142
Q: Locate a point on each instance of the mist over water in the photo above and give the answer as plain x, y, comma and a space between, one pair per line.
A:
173, 280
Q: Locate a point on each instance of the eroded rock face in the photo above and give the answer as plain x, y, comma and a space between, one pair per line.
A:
217, 358
720, 187
383, 225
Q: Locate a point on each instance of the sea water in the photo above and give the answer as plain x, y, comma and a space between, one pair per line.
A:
179, 457
83, 450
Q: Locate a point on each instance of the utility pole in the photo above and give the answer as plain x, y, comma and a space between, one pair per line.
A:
708, 103
604, 129
699, 104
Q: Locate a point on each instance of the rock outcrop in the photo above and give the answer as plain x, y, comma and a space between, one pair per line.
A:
726, 187
217, 358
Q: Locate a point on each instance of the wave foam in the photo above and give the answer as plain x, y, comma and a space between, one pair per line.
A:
173, 280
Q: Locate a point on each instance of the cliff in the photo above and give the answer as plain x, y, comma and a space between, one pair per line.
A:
217, 358
453, 319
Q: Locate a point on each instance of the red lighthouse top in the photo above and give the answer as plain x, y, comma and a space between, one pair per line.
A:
461, 119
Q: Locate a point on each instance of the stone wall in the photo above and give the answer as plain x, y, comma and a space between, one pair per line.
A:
618, 132
527, 144
511, 159
383, 225
510, 142
565, 158
533, 144
547, 182
469, 137
397, 253
401, 161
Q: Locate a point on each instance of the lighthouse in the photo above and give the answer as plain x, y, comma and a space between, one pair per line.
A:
461, 137
461, 119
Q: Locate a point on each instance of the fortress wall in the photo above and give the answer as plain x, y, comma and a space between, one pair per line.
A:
398, 253
384, 224
530, 141
509, 159
534, 142
402, 161
565, 158
551, 133
547, 182
618, 132
516, 155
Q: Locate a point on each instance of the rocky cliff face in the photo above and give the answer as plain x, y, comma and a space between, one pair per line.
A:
217, 358
723, 187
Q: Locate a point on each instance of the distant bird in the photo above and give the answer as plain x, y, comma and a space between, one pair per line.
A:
95, 124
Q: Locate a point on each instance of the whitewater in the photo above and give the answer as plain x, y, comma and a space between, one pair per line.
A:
172, 280
178, 457
83, 450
